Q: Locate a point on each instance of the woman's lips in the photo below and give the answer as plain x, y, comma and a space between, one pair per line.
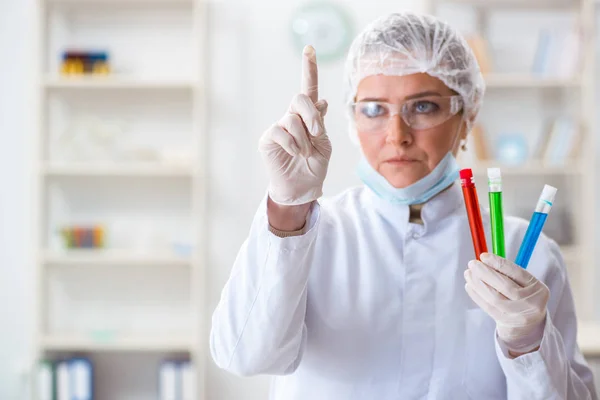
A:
401, 161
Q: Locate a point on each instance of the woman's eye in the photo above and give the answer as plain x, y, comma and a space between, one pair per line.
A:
372, 110
425, 107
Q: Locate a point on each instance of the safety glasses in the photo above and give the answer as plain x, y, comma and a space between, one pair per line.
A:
419, 114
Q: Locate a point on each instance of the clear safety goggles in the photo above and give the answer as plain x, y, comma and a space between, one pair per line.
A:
419, 114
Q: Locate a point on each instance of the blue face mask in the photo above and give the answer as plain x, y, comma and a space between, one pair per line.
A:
442, 176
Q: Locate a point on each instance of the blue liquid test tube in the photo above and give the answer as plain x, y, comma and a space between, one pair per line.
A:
544, 205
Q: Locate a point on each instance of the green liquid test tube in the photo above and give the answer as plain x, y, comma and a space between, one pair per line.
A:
496, 214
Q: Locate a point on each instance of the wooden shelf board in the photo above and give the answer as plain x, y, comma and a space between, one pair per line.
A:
115, 82
115, 170
120, 344
113, 257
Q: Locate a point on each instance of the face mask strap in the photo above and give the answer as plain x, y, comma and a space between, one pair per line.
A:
456, 104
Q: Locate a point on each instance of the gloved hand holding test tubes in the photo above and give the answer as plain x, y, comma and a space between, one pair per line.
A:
534, 229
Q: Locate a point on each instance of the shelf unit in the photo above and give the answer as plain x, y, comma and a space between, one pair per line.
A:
587, 337
112, 83
515, 4
116, 170
581, 255
121, 3
528, 169
81, 258
132, 85
123, 344
515, 81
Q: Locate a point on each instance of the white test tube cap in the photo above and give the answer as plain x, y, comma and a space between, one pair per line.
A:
494, 179
494, 174
548, 194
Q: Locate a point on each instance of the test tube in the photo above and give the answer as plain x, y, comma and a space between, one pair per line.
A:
473, 211
496, 213
543, 207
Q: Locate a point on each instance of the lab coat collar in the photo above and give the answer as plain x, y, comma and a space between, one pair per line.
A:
397, 214
442, 205
436, 209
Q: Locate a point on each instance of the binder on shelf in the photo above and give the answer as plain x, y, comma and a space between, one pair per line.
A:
558, 53
562, 142
540, 61
81, 377
541, 142
70, 379
169, 381
63, 381
188, 389
45, 383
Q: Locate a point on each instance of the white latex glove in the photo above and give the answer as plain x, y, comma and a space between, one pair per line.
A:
296, 150
513, 297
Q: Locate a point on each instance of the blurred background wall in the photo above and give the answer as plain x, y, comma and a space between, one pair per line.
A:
253, 71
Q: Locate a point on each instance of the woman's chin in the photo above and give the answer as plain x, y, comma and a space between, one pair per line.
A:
400, 182
402, 177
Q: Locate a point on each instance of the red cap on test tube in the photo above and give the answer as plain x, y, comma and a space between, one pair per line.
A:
466, 177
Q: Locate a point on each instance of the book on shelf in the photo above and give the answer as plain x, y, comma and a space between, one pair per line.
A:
541, 141
558, 53
65, 379
176, 380
560, 142
74, 378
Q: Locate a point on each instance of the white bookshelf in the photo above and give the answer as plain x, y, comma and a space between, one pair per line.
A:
517, 4
112, 170
528, 169
577, 180
82, 258
132, 343
145, 295
114, 83
515, 81
121, 3
587, 337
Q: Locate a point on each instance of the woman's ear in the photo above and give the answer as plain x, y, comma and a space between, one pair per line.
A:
467, 126
464, 130
460, 138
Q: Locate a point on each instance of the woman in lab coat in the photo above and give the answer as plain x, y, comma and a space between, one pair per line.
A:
374, 294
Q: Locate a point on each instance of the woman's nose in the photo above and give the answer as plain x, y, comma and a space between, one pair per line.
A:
398, 133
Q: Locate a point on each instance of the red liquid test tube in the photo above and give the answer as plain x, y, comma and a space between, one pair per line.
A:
473, 211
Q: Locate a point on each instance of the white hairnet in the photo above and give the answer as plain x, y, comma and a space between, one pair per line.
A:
408, 43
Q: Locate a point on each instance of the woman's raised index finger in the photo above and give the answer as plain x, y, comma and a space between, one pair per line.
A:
310, 74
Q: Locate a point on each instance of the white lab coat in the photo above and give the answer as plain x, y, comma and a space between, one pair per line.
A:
367, 306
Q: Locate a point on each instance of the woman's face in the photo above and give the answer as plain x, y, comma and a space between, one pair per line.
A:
400, 153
